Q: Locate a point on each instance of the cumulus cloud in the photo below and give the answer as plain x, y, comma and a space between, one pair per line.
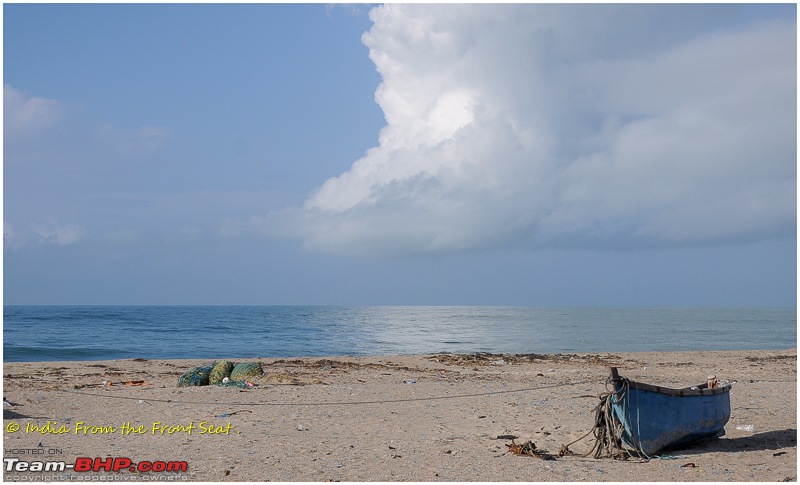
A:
566, 125
24, 113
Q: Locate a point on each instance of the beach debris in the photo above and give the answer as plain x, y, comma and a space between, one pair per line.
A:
689, 465
220, 372
246, 369
242, 384
224, 373
507, 437
528, 448
196, 376
81, 386
110, 383
779, 453
746, 427
226, 415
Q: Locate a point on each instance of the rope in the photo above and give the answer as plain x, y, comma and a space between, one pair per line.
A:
623, 400
329, 403
608, 429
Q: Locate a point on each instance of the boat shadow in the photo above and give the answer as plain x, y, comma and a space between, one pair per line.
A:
768, 440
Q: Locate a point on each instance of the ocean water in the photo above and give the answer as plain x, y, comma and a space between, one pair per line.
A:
53, 333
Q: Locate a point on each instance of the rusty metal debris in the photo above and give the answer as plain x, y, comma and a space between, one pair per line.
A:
565, 451
528, 448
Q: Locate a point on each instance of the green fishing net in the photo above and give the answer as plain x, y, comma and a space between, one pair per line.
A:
196, 376
220, 371
246, 369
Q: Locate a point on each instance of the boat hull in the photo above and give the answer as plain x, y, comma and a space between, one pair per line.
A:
656, 418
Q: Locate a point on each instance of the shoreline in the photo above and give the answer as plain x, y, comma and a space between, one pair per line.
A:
544, 355
432, 417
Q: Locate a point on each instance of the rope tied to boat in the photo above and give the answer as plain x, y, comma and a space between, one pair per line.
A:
608, 429
329, 403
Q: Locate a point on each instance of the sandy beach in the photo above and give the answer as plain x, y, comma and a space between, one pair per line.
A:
422, 418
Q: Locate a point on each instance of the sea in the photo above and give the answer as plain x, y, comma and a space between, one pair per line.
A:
56, 333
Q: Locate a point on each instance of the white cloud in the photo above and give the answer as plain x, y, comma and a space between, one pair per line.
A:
152, 137
61, 235
131, 141
531, 125
24, 113
57, 234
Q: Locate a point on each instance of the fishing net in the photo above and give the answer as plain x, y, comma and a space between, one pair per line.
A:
196, 376
242, 384
220, 371
246, 369
223, 373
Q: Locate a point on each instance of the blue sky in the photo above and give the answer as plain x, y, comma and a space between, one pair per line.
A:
609, 155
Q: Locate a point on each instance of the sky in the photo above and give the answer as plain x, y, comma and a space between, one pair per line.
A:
404, 154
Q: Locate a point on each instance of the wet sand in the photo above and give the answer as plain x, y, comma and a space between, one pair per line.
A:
421, 418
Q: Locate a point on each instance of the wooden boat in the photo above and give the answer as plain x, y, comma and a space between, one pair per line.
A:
656, 418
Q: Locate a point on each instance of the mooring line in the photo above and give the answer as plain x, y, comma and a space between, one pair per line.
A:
327, 403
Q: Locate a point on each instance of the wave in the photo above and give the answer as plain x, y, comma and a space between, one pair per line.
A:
48, 354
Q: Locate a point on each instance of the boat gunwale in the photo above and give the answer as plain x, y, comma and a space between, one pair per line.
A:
701, 389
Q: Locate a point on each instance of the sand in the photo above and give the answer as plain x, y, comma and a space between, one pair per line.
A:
422, 418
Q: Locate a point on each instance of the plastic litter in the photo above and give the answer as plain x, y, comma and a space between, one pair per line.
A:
227, 415
746, 427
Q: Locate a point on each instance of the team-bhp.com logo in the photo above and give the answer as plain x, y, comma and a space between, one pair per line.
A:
85, 464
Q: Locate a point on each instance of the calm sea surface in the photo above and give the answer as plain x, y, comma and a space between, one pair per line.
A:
52, 333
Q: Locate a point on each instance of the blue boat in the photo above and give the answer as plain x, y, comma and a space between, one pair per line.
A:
656, 418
